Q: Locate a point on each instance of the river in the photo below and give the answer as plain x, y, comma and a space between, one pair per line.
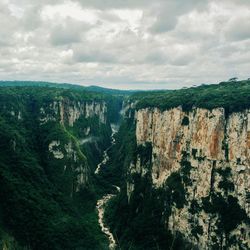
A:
101, 203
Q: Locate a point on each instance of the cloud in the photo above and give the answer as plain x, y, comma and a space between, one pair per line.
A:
83, 54
238, 28
115, 4
31, 18
125, 43
167, 13
8, 26
68, 31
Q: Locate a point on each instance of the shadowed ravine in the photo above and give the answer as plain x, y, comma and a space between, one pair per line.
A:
101, 203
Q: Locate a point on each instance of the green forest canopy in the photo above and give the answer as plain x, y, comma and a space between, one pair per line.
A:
233, 96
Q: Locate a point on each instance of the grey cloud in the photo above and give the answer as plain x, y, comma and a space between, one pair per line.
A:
238, 28
156, 57
183, 60
107, 16
9, 26
124, 50
26, 3
168, 12
94, 56
237, 2
178, 41
88, 54
68, 32
31, 19
115, 4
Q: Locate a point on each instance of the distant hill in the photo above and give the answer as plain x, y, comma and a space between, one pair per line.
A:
38, 84
65, 86
110, 91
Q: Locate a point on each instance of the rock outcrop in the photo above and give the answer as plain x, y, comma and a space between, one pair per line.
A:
211, 152
68, 152
68, 112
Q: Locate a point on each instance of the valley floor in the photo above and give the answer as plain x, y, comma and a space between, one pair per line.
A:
102, 203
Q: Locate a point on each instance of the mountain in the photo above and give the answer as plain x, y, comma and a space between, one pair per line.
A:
65, 86
51, 141
111, 91
39, 84
174, 176
184, 156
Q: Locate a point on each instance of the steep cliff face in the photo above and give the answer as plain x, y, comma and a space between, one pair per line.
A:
80, 121
69, 111
66, 125
208, 155
50, 143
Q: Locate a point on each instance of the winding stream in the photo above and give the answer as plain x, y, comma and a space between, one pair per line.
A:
101, 204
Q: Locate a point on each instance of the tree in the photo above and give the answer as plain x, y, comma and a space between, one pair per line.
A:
233, 79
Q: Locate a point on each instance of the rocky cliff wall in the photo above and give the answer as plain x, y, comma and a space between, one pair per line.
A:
68, 152
68, 112
64, 126
211, 152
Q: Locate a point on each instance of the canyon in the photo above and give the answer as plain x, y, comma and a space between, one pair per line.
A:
102, 203
215, 152
99, 171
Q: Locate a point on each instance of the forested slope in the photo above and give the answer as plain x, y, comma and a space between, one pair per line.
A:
184, 162
51, 141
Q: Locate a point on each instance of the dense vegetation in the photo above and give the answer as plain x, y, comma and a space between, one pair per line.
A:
39, 84
39, 206
233, 96
139, 223
68, 86
139, 218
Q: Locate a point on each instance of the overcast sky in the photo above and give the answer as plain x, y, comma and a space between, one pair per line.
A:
132, 44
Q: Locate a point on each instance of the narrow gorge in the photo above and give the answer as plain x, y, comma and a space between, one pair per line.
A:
174, 174
51, 142
102, 203
186, 176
